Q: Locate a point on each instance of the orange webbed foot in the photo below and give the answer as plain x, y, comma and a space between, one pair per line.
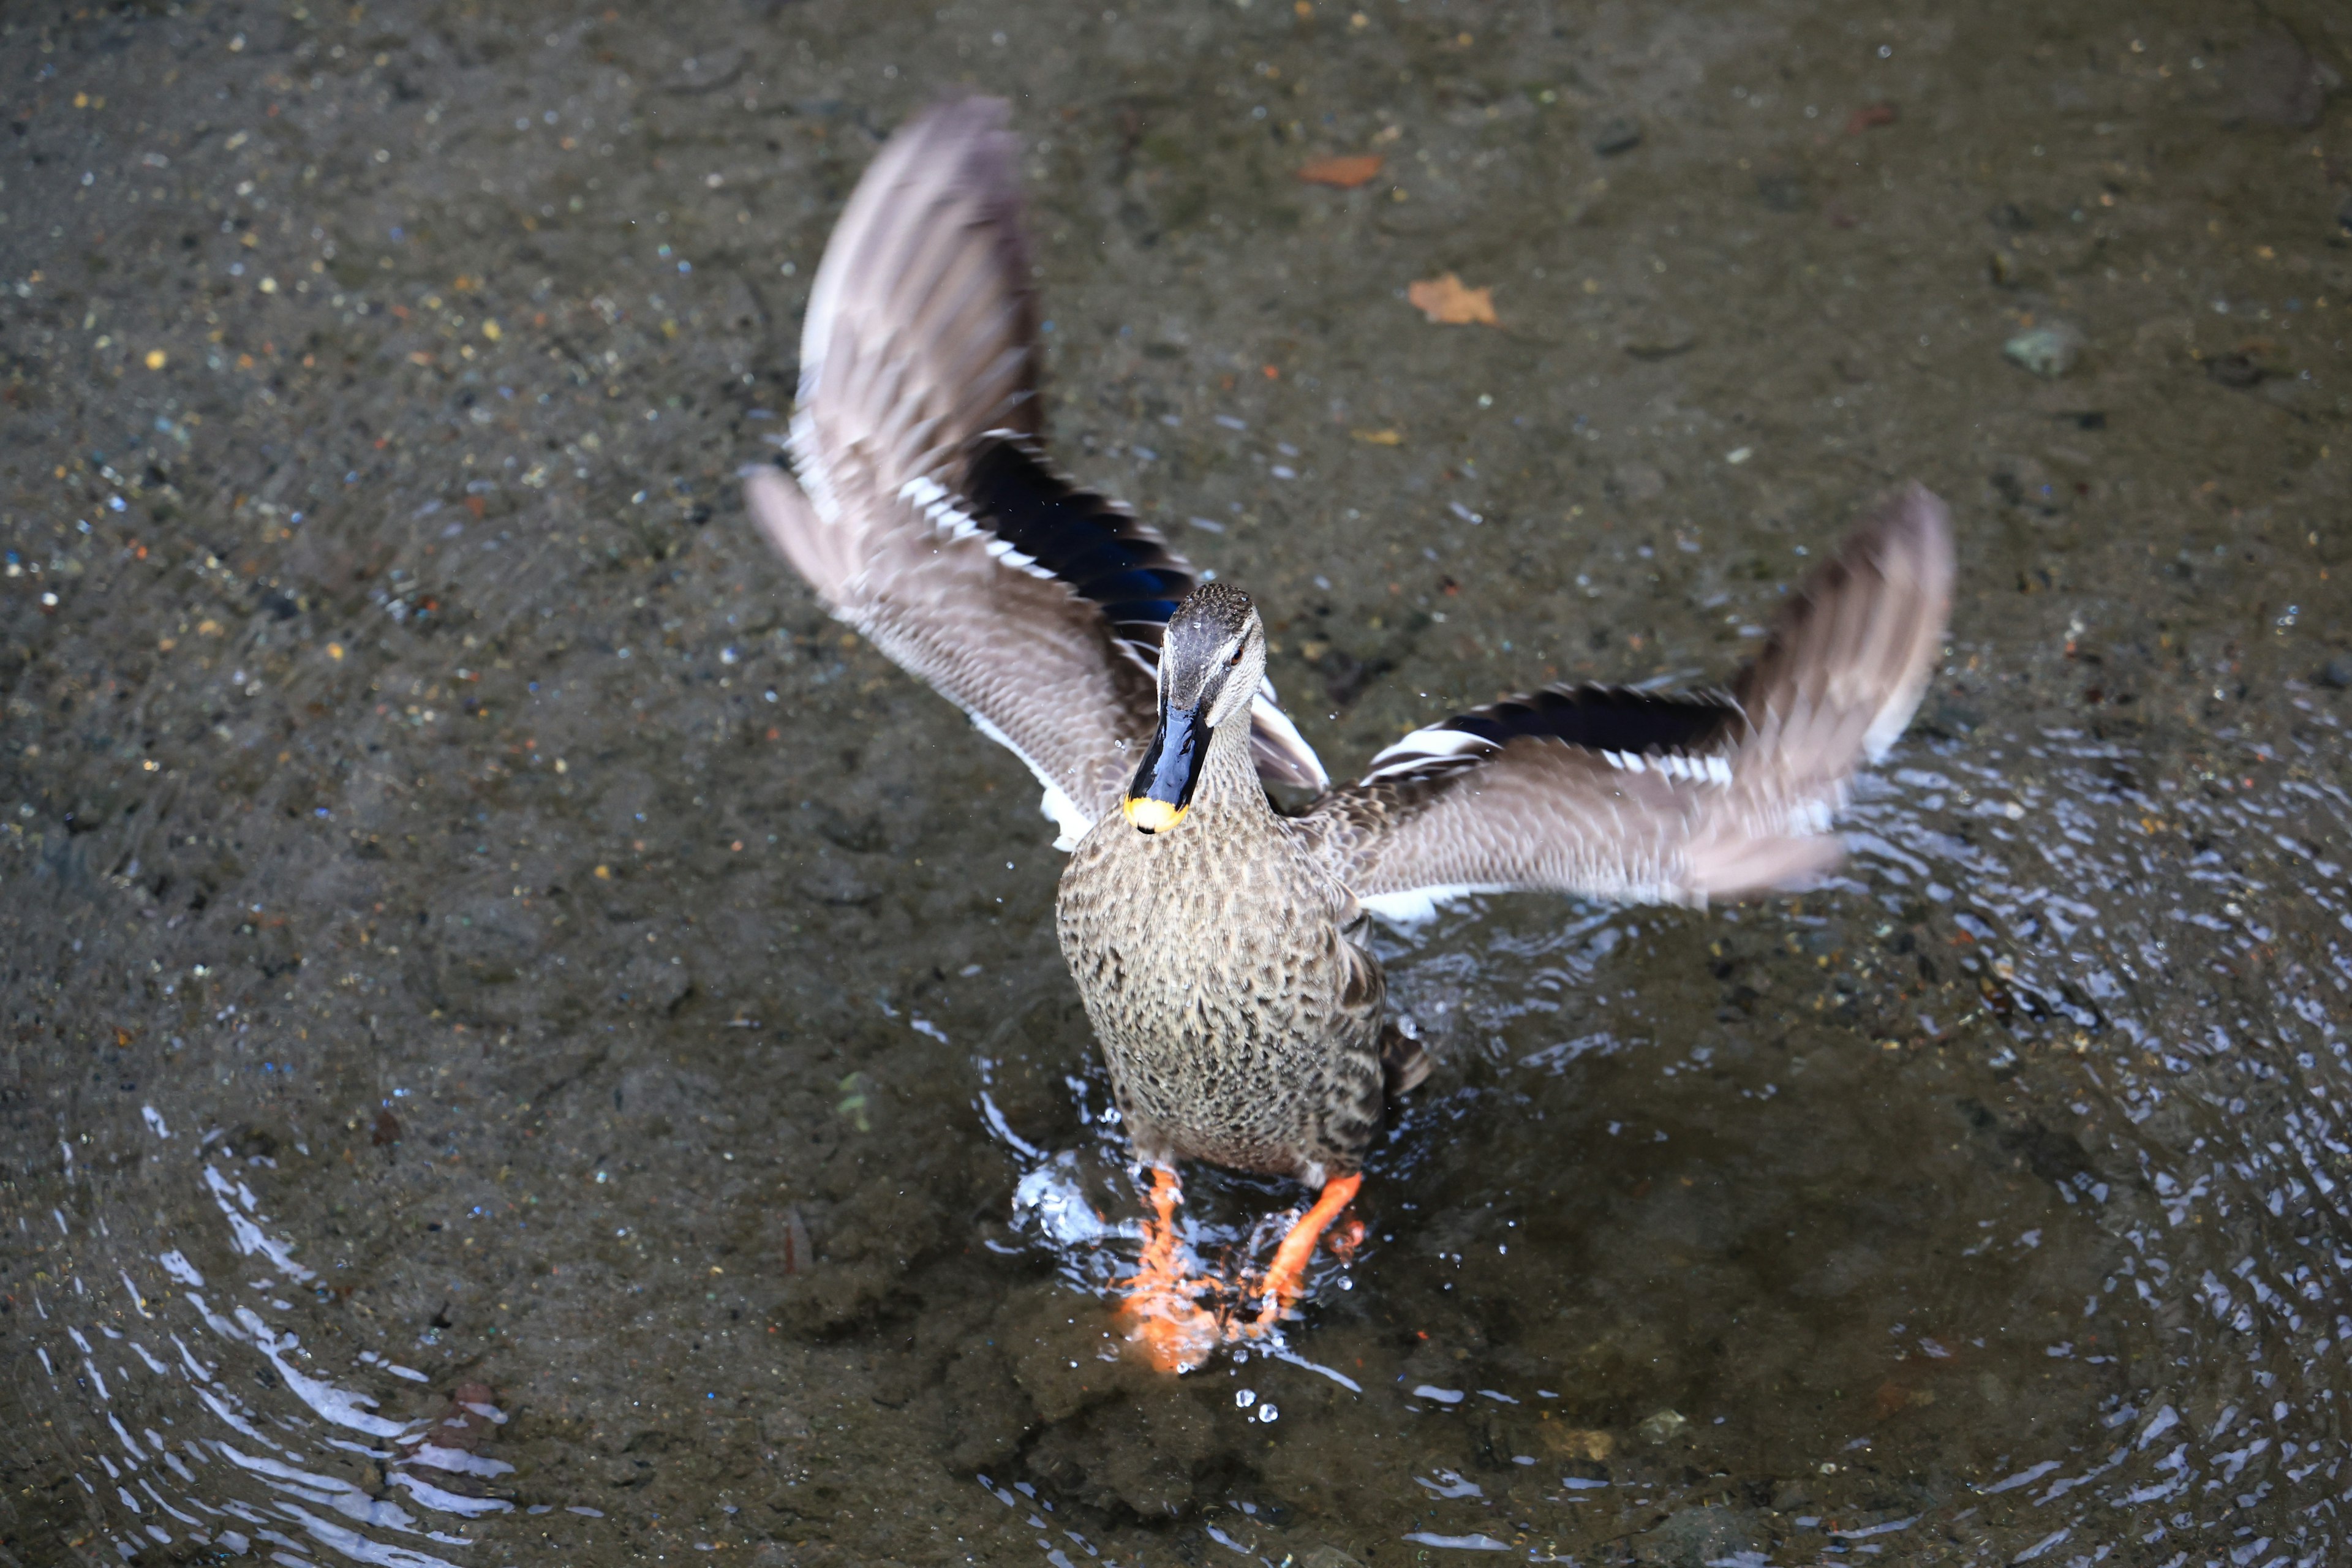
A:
1286, 1278
1164, 1323
1162, 1313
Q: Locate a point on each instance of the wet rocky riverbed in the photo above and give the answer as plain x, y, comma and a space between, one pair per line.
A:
524, 1044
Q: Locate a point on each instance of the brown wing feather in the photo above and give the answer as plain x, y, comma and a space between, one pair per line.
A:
921, 329
1743, 808
1028, 659
924, 514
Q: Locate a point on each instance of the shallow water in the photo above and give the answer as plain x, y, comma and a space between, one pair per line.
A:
526, 1045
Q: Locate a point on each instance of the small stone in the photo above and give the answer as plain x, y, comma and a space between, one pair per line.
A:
1637, 483
2273, 81
1949, 720
1327, 1557
2344, 215
1781, 193
2047, 352
1657, 339
782, 1425
1345, 676
1700, 1538
2237, 369
2336, 673
1663, 1426
1586, 1443
1615, 136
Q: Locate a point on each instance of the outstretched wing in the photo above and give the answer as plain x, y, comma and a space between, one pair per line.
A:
1629, 794
925, 513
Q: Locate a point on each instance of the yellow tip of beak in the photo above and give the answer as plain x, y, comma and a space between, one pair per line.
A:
1153, 816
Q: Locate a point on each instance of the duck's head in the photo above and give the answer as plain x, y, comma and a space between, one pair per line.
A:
1211, 661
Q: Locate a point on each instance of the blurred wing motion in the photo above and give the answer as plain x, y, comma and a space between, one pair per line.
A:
925, 513
1627, 794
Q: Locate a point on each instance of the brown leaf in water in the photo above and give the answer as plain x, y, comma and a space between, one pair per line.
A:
465, 1425
387, 1128
1346, 172
1446, 300
468, 1422
800, 1255
1579, 1443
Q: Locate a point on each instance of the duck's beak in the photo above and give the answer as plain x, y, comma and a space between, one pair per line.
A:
1162, 791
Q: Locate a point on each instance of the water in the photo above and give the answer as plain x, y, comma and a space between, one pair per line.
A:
525, 1046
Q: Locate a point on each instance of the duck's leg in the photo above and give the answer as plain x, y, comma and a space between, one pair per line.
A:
1286, 1278
1161, 1262
1164, 1322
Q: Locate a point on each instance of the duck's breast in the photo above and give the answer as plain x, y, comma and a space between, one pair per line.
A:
1235, 1015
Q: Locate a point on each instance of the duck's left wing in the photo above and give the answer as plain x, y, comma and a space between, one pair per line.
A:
1638, 795
1035, 663
924, 511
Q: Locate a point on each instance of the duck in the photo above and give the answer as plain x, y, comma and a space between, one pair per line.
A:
1218, 938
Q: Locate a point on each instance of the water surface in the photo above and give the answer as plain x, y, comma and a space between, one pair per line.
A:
526, 1044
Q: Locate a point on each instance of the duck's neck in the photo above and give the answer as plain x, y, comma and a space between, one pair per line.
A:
1229, 779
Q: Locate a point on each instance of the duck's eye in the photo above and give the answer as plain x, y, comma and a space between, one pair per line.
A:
1237, 655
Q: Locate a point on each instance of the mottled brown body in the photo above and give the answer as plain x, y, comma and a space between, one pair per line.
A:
1241, 1024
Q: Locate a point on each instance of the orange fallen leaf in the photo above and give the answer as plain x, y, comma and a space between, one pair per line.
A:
1346, 172
1446, 300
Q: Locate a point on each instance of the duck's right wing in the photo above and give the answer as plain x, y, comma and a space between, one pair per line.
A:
1638, 795
924, 514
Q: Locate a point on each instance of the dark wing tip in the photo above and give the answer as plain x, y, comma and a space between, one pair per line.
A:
1603, 719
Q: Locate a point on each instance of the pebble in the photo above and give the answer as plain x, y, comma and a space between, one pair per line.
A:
2273, 81
1698, 1538
2048, 352
1951, 720
2338, 673
2237, 369
1327, 1557
1638, 481
1660, 340
1782, 193
1615, 136
1664, 1424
